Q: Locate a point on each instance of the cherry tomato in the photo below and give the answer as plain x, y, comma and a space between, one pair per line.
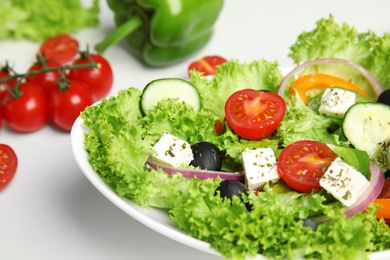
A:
63, 48
66, 105
207, 65
254, 114
29, 112
98, 79
219, 127
4, 73
302, 164
47, 80
8, 165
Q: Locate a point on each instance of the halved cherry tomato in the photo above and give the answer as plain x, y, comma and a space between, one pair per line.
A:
47, 80
207, 65
29, 112
8, 165
99, 80
306, 83
63, 48
302, 164
254, 114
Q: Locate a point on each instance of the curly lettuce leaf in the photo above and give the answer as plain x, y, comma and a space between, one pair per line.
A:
302, 123
330, 39
40, 19
271, 228
233, 76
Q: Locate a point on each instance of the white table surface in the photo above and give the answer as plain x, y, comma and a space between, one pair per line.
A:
51, 211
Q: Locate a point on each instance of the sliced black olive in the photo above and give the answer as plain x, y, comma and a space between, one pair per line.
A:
207, 156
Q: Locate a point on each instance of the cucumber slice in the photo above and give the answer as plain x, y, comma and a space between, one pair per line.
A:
365, 125
165, 88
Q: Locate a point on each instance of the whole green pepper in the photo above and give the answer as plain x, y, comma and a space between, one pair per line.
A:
162, 32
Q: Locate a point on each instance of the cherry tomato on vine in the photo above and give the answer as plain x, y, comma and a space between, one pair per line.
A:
62, 48
207, 65
47, 80
302, 164
28, 112
8, 163
98, 79
4, 73
254, 114
66, 104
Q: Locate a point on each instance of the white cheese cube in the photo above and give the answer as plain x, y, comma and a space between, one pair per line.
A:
335, 102
344, 182
173, 151
259, 167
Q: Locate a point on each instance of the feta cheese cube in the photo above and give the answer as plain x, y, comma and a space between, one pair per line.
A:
335, 102
344, 182
259, 167
173, 151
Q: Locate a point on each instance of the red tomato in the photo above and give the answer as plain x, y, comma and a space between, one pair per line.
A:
3, 86
219, 127
29, 112
98, 79
8, 165
254, 114
302, 164
385, 193
207, 65
62, 48
66, 105
47, 80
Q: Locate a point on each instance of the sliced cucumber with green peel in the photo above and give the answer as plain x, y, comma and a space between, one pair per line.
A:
366, 125
165, 88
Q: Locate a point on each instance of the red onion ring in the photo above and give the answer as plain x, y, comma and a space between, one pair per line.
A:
191, 173
371, 192
377, 87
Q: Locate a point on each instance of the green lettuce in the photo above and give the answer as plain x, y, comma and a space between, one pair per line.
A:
119, 140
273, 228
302, 123
330, 39
40, 19
233, 76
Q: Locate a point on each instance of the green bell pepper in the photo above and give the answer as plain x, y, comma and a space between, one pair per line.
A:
162, 32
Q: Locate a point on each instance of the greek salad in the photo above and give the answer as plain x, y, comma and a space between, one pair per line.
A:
254, 161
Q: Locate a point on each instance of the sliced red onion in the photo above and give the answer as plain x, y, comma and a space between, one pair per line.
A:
371, 79
191, 173
370, 193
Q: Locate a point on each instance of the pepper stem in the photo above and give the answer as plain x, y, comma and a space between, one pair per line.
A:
119, 33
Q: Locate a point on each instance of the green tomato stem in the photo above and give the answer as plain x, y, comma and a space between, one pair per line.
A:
119, 33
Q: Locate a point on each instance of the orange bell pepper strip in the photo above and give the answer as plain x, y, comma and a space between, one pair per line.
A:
309, 82
383, 212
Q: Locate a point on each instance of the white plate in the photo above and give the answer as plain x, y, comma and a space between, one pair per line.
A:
156, 219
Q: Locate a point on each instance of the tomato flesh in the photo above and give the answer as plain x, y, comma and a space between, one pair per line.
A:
207, 65
8, 165
254, 114
302, 164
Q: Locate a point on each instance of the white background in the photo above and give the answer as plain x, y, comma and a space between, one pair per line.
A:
51, 211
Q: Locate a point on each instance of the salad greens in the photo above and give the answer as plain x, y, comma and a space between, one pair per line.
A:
120, 138
26, 19
330, 39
